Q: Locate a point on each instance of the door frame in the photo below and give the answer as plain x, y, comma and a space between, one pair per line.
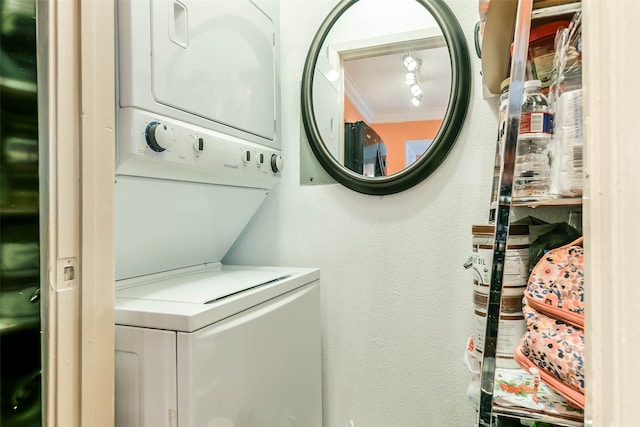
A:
611, 201
76, 98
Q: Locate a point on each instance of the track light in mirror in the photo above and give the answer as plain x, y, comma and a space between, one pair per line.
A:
416, 100
410, 78
410, 62
416, 90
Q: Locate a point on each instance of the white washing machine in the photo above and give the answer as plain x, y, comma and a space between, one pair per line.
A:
219, 346
199, 343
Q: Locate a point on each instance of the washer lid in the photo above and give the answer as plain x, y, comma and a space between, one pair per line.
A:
203, 287
192, 298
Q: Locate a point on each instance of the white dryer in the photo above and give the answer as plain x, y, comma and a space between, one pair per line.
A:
199, 343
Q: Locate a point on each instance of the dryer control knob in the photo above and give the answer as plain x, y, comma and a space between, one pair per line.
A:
158, 136
276, 163
198, 144
246, 156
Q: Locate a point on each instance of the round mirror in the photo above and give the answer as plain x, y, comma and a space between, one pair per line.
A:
385, 91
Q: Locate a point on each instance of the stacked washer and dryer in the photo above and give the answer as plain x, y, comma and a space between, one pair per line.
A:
199, 343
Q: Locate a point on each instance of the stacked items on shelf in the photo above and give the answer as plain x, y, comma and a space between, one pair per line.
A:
547, 171
552, 149
565, 95
552, 160
553, 343
531, 171
549, 162
554, 59
516, 273
20, 356
518, 392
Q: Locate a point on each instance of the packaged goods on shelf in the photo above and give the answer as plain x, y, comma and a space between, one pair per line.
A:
565, 96
531, 170
542, 50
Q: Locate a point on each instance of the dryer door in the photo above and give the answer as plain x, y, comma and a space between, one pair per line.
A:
215, 59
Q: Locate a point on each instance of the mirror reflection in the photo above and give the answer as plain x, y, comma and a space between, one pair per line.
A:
381, 86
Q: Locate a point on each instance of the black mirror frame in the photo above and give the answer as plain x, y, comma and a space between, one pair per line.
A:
447, 134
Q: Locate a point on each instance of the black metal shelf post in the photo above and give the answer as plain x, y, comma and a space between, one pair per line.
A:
518, 67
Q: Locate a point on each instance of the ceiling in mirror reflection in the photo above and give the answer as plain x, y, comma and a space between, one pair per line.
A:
364, 52
376, 86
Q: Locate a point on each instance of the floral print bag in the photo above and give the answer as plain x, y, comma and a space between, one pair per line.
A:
553, 306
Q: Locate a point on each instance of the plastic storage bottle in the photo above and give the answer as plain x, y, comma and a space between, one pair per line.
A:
531, 172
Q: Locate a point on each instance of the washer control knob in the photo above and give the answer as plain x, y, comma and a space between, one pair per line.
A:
158, 136
260, 159
276, 163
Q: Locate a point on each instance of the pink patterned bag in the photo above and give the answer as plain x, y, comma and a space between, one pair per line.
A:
553, 306
555, 284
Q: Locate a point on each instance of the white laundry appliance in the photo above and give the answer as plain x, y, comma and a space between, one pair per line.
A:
199, 343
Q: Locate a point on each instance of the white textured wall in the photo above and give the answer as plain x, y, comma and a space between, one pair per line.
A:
396, 301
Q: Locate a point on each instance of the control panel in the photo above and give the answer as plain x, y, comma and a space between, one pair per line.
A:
154, 146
